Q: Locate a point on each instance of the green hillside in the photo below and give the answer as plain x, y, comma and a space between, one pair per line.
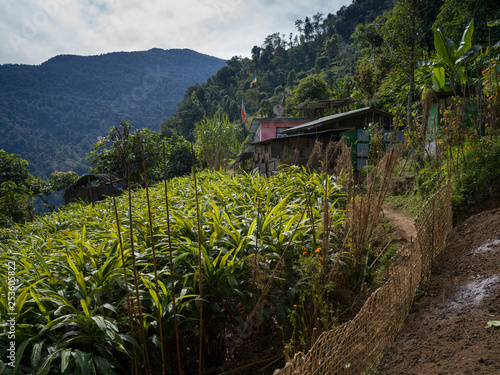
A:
367, 50
52, 114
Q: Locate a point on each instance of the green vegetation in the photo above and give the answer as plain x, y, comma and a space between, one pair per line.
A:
72, 305
52, 114
122, 151
223, 267
18, 188
219, 141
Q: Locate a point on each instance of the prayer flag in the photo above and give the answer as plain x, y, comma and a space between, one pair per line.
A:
243, 112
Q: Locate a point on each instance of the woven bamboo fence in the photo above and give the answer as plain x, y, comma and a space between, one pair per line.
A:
355, 347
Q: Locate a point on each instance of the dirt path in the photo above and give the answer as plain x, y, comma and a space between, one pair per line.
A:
445, 333
401, 224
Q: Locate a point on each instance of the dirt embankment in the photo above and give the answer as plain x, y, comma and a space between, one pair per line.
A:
445, 333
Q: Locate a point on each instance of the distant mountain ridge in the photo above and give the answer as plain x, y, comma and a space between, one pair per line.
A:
51, 114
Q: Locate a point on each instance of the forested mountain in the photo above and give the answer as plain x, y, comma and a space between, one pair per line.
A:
368, 50
322, 45
51, 114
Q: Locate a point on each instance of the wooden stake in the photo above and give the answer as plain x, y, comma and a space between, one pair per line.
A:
179, 364
154, 259
130, 304
142, 337
200, 264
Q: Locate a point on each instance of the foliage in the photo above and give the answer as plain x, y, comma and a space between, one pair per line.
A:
71, 301
218, 141
121, 150
58, 182
449, 71
401, 32
454, 16
310, 89
51, 113
18, 188
14, 188
478, 174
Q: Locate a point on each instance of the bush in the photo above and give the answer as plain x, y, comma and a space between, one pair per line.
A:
477, 180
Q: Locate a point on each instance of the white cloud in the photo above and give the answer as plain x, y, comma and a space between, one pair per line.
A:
32, 31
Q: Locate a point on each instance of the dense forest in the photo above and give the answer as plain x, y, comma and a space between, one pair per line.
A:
52, 114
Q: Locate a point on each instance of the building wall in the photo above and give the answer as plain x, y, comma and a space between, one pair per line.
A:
270, 155
267, 128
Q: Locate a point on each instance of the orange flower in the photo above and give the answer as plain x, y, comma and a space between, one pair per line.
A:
318, 250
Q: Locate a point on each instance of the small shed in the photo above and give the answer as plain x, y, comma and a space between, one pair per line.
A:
94, 187
300, 140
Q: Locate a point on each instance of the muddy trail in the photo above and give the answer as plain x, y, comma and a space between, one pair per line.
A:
445, 331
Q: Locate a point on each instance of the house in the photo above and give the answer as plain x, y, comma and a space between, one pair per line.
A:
267, 128
296, 143
94, 187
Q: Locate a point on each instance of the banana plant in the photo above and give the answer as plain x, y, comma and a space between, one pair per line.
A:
449, 69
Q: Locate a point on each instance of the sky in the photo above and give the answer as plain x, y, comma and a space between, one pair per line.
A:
33, 31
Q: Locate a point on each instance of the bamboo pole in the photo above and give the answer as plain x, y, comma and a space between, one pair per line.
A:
142, 338
154, 259
130, 305
200, 265
179, 364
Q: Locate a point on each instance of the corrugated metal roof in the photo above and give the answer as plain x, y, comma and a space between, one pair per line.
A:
332, 118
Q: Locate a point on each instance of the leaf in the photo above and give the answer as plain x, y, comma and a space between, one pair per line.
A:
443, 46
83, 361
21, 299
85, 307
44, 370
466, 42
470, 52
493, 323
20, 352
36, 353
65, 356
103, 367
493, 23
438, 78
101, 322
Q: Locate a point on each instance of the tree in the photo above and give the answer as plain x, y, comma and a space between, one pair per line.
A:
401, 35
18, 188
57, 182
14, 188
312, 88
121, 148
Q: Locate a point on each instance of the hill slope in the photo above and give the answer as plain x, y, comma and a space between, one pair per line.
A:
51, 114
